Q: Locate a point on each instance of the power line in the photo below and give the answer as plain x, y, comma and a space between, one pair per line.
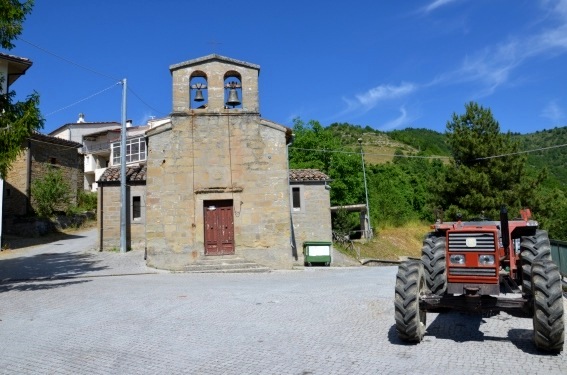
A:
90, 70
82, 100
370, 153
521, 152
143, 102
67, 60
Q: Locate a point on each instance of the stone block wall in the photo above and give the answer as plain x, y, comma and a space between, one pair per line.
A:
108, 218
46, 156
215, 71
16, 187
33, 163
313, 221
217, 156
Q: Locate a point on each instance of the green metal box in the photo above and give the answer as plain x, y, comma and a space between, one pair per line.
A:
317, 252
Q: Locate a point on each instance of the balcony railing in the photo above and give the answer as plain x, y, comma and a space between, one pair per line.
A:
91, 148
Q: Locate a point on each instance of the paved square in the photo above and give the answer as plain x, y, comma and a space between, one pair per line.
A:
316, 321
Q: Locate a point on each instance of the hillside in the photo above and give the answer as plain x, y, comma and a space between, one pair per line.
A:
379, 147
553, 154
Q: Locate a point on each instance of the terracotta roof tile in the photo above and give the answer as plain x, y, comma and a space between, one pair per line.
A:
138, 173
133, 173
301, 175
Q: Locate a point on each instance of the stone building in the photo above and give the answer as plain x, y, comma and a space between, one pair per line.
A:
94, 137
310, 199
40, 154
108, 213
216, 177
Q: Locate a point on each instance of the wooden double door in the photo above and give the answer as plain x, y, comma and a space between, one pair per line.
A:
219, 227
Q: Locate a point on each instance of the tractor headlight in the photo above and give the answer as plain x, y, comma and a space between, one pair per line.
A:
486, 260
457, 259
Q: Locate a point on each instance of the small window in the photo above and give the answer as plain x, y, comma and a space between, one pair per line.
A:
296, 198
136, 208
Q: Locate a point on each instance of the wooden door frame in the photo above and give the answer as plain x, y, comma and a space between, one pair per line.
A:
219, 203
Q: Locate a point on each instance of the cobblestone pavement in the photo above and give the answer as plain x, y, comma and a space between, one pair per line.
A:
313, 321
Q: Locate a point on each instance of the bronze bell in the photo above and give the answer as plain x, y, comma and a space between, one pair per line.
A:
199, 96
233, 98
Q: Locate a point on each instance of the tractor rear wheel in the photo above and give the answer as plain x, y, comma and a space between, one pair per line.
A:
549, 327
533, 248
410, 284
433, 259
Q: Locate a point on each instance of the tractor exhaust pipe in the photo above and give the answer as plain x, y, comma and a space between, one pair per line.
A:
505, 230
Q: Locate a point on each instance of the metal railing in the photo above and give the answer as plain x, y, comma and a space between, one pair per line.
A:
559, 255
96, 147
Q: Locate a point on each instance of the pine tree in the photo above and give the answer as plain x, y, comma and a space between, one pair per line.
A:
480, 180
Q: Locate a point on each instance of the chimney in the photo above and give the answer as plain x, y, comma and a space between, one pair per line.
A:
128, 123
81, 118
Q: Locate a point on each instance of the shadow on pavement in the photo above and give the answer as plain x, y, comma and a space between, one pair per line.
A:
27, 286
465, 327
44, 267
11, 242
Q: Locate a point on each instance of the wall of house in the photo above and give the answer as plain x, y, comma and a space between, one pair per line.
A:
65, 158
18, 181
217, 156
16, 187
313, 221
108, 218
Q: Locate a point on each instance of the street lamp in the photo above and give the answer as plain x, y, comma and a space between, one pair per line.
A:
368, 232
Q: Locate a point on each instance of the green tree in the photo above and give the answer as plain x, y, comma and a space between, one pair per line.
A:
316, 147
17, 120
50, 193
12, 15
479, 179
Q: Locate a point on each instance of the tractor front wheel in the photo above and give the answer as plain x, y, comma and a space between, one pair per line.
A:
532, 249
433, 259
549, 327
410, 284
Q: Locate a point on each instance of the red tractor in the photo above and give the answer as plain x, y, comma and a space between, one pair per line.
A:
473, 266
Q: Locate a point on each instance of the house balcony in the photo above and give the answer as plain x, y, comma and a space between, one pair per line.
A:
101, 148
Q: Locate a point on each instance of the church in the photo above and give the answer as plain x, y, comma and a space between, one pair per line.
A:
216, 181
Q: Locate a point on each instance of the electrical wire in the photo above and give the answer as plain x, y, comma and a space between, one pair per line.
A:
67, 60
143, 102
82, 100
370, 153
90, 70
521, 152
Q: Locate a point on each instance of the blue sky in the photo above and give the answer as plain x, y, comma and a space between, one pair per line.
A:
384, 64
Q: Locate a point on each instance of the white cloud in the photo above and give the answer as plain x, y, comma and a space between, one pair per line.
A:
436, 4
373, 96
553, 112
362, 103
403, 120
493, 66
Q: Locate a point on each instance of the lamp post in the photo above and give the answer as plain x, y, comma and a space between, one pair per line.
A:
368, 232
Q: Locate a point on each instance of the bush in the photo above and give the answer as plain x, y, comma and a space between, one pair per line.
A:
87, 200
50, 193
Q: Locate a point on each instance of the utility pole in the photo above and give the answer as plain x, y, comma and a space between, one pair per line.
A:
368, 233
123, 200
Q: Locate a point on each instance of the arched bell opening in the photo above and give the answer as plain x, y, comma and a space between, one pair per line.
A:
233, 90
199, 96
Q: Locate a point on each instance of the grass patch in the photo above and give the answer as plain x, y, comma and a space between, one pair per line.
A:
394, 243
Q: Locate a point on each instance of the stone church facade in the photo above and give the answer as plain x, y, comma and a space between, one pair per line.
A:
217, 175
217, 181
